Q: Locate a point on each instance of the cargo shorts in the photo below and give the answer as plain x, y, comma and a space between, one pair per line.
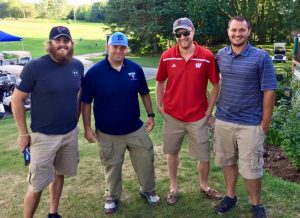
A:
242, 145
50, 155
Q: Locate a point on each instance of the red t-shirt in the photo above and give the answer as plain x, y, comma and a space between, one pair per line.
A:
185, 94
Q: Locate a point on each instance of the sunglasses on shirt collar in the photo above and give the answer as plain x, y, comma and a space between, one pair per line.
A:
179, 34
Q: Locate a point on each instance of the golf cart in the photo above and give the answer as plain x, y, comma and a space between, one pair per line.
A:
279, 52
7, 83
9, 77
15, 57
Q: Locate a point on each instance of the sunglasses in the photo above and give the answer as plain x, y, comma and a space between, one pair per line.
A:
185, 33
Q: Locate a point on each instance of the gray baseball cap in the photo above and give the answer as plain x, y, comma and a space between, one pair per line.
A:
183, 23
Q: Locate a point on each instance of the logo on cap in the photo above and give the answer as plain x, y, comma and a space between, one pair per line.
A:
60, 29
120, 37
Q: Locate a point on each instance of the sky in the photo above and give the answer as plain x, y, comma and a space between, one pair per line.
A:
73, 2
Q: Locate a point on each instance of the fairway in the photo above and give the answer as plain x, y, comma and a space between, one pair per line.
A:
89, 37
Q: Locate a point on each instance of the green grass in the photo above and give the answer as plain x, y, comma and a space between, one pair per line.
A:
145, 61
83, 195
89, 37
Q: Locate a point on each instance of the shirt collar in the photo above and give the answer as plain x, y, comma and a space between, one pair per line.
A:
177, 53
245, 51
108, 65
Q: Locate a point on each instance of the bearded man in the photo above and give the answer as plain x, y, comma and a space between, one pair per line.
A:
54, 82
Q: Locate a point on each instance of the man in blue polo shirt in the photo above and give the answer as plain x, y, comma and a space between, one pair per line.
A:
244, 112
114, 84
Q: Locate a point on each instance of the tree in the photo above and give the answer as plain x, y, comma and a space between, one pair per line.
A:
148, 23
52, 9
209, 23
97, 12
4, 10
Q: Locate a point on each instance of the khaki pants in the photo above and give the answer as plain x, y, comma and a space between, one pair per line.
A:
112, 150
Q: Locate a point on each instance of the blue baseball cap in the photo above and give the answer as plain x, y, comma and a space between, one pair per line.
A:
118, 38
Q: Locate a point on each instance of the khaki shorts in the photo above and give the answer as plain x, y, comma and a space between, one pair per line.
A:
240, 144
197, 132
52, 154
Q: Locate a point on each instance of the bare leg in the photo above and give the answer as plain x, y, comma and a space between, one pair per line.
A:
230, 177
55, 190
31, 202
254, 190
173, 162
204, 167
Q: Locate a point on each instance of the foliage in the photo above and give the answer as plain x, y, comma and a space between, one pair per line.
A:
278, 118
209, 29
97, 13
52, 9
290, 135
144, 21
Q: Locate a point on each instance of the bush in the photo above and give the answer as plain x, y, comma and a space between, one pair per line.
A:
291, 137
278, 118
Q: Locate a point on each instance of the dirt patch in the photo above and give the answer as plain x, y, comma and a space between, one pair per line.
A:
278, 165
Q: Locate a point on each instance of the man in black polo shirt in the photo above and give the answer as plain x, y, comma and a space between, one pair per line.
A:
54, 82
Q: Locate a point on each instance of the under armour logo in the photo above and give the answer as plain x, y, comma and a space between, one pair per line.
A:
75, 73
174, 65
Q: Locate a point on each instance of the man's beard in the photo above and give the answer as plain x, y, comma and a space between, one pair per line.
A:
54, 53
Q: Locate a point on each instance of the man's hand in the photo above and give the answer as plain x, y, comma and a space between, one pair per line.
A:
265, 127
160, 109
150, 124
23, 141
208, 116
90, 135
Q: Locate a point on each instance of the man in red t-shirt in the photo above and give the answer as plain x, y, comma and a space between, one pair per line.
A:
182, 101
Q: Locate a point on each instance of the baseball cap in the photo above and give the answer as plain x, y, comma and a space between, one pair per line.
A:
184, 23
118, 38
58, 31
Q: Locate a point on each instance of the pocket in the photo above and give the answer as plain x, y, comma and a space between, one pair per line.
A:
106, 151
257, 161
261, 131
145, 141
34, 138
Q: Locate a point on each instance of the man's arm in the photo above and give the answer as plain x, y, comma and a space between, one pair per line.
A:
160, 89
18, 110
89, 134
214, 93
268, 104
148, 106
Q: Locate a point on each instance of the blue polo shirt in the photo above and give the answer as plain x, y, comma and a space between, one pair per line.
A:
244, 77
115, 96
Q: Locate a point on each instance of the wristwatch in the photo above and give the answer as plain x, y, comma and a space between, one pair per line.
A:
151, 115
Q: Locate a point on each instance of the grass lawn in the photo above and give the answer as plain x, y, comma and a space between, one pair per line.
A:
89, 37
145, 61
83, 194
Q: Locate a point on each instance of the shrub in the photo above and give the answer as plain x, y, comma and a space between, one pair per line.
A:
278, 118
291, 137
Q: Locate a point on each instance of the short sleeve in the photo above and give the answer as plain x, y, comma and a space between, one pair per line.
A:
27, 78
